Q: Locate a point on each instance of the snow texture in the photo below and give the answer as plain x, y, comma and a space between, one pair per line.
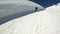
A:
14, 9
41, 22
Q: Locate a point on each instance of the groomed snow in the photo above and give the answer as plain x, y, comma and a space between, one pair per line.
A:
42, 22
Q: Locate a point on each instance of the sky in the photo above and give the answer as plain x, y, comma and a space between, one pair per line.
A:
46, 3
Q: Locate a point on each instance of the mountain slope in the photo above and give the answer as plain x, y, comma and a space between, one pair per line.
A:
14, 9
41, 22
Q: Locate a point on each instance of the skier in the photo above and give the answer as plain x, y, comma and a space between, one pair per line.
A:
36, 8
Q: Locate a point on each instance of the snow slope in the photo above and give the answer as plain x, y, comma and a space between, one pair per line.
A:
58, 4
13, 0
14, 9
41, 22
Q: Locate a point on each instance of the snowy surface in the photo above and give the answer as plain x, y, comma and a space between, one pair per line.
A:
42, 22
14, 9
58, 4
13, 0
